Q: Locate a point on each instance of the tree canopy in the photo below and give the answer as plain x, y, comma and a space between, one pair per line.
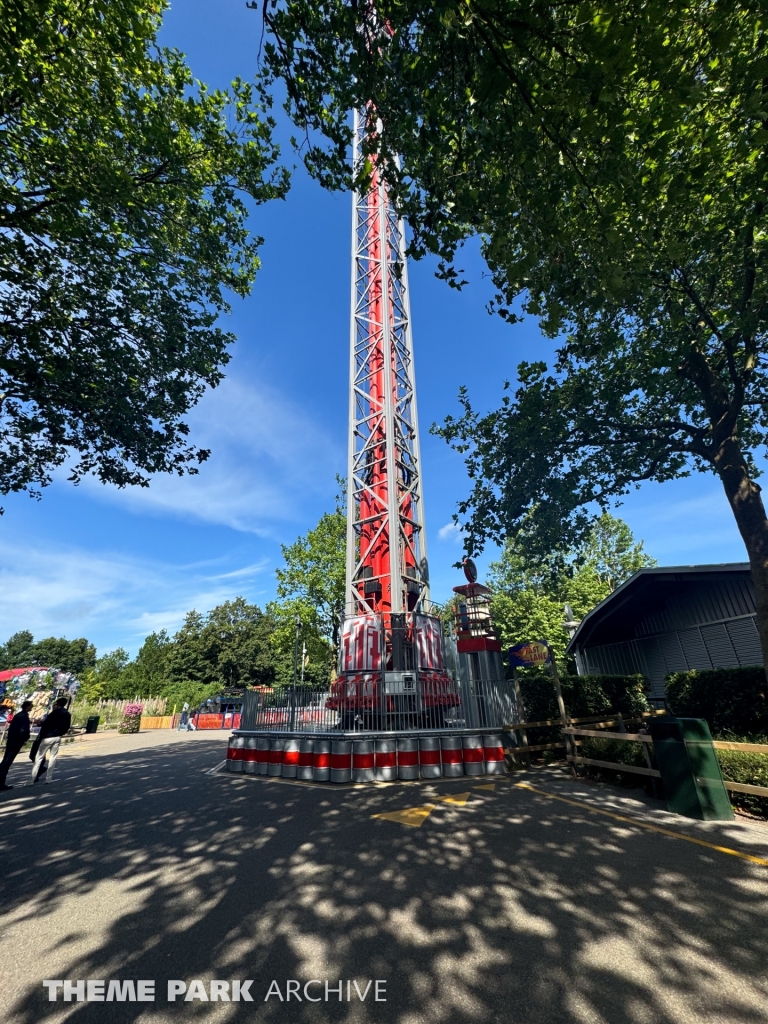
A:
124, 190
530, 592
22, 651
311, 582
612, 157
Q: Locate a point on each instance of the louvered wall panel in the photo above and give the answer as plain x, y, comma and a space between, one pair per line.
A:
694, 649
674, 659
746, 640
614, 659
655, 667
707, 601
719, 646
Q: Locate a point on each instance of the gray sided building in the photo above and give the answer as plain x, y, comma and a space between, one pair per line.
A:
670, 620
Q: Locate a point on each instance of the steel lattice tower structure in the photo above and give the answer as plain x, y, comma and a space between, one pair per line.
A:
387, 569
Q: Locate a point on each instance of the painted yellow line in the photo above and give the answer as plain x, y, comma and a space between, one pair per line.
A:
491, 787
413, 816
644, 824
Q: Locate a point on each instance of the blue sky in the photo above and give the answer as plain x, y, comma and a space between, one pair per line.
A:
114, 565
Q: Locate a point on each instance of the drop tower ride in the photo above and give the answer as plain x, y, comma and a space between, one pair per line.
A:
392, 672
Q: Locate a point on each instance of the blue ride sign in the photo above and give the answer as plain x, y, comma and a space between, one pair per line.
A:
533, 652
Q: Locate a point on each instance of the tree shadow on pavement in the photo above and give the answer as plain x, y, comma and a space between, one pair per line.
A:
511, 908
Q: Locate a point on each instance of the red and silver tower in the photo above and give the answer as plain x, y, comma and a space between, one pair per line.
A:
387, 571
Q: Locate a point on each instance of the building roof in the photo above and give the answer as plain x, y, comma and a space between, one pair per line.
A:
615, 617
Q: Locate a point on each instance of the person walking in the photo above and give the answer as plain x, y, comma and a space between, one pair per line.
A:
17, 736
183, 724
53, 728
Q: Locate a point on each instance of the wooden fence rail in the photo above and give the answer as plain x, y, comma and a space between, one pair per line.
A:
629, 737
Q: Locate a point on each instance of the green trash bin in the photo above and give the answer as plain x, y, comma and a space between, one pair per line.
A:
690, 771
93, 723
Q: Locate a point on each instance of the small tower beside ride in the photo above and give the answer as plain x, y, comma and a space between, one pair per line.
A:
477, 643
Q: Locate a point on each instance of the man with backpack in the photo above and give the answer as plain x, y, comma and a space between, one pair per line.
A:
55, 725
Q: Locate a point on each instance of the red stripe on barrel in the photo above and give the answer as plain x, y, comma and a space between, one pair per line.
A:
451, 755
408, 758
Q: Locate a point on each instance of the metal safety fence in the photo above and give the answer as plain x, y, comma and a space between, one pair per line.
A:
470, 704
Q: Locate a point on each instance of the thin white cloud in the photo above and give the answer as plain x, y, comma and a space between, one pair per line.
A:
450, 532
112, 599
267, 456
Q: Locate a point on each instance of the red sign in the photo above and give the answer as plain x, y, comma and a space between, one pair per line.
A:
361, 644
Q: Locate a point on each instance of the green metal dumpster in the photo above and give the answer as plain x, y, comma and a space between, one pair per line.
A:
92, 724
690, 771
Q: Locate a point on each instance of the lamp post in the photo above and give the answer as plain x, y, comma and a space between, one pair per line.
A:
292, 722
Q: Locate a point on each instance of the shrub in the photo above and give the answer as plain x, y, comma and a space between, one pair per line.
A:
730, 699
620, 752
583, 696
750, 768
132, 718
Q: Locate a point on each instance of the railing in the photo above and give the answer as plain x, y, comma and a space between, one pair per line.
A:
646, 740
554, 723
480, 704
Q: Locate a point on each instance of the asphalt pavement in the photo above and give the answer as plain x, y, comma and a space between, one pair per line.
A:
565, 903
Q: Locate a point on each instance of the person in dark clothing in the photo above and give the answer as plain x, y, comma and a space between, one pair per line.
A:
54, 726
16, 737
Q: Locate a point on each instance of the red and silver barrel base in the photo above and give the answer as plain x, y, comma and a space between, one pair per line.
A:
341, 761
451, 756
493, 752
407, 758
306, 760
235, 752
321, 761
291, 759
385, 768
472, 755
429, 757
276, 752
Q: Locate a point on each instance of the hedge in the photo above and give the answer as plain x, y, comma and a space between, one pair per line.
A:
732, 700
583, 696
748, 767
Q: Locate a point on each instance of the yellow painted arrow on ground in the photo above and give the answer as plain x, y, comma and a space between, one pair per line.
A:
456, 798
413, 816
491, 787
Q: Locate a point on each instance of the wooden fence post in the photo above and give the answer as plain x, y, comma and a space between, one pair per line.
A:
569, 748
520, 712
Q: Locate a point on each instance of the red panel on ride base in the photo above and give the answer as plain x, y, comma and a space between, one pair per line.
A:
276, 756
472, 755
291, 757
322, 759
362, 760
386, 758
494, 753
408, 758
429, 756
340, 762
451, 755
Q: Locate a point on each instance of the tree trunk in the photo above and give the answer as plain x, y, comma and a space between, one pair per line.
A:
745, 499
